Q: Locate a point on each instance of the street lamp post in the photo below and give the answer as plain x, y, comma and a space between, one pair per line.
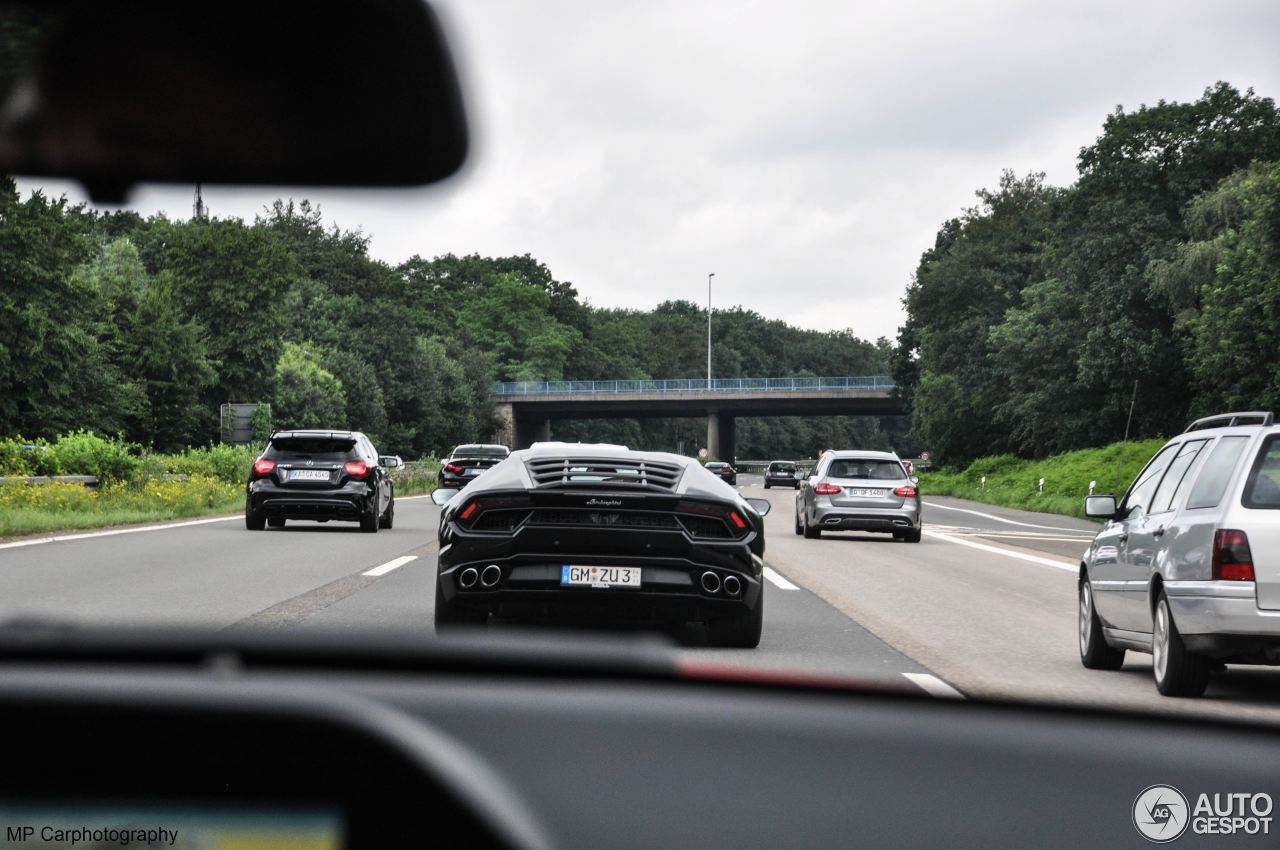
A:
713, 274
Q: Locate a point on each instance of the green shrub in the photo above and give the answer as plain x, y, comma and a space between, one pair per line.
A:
85, 453
223, 461
19, 456
1014, 482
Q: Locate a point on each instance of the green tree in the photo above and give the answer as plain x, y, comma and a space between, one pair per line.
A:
50, 358
306, 394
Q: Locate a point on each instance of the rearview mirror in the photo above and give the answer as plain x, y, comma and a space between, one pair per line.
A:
443, 495
1100, 507
314, 92
390, 462
915, 479
761, 506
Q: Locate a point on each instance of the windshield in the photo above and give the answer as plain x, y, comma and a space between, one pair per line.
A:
965, 266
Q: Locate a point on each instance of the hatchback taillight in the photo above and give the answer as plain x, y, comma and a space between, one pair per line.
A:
826, 489
1232, 558
356, 468
263, 467
907, 492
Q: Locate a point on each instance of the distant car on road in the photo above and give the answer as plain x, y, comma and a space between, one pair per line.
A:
467, 461
723, 470
567, 532
782, 473
319, 475
859, 491
1187, 567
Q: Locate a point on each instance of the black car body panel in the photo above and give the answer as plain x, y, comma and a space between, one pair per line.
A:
315, 475
546, 509
466, 462
723, 471
782, 473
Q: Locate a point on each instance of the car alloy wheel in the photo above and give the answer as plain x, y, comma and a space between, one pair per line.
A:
1160, 642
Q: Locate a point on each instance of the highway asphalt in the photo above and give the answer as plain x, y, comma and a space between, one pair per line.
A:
984, 606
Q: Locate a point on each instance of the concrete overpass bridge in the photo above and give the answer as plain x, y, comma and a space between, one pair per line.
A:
527, 408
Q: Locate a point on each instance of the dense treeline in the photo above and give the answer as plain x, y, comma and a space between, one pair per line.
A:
143, 327
1033, 315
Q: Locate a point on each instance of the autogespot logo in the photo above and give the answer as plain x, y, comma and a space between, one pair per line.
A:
1160, 813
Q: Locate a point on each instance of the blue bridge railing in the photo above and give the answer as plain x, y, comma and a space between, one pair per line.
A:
693, 385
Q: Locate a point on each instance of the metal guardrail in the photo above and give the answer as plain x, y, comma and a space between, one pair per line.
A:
693, 385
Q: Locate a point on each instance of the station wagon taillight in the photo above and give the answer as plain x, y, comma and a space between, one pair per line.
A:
826, 489
908, 491
262, 466
1232, 558
356, 468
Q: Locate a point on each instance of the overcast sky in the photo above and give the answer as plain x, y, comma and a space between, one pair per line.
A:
805, 152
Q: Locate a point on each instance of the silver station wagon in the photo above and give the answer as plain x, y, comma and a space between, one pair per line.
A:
1187, 567
859, 491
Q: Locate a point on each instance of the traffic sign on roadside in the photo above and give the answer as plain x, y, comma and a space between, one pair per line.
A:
702, 453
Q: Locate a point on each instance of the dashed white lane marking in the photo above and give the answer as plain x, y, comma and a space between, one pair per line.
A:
1009, 521
933, 685
777, 579
390, 565
1008, 553
36, 541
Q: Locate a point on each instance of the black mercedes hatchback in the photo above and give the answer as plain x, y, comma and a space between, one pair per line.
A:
319, 475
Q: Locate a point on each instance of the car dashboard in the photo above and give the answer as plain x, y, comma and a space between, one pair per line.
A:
541, 743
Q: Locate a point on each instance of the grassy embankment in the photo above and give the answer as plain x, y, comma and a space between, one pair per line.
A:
131, 489
1013, 482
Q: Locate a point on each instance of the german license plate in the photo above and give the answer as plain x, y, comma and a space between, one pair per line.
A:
578, 576
309, 475
472, 471
859, 491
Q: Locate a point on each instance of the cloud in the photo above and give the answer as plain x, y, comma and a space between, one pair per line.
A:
805, 152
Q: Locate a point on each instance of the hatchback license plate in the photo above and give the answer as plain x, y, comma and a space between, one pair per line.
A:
576, 576
309, 475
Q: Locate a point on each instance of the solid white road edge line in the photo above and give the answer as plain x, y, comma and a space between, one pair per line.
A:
933, 685
390, 565
1009, 521
88, 535
1032, 559
776, 578
36, 541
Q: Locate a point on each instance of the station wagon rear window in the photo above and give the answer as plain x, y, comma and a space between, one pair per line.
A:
876, 469
1262, 490
1212, 481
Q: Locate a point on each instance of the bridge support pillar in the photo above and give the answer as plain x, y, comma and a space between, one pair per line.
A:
721, 436
526, 432
506, 423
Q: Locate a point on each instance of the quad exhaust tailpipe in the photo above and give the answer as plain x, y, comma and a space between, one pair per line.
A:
710, 582
491, 575
467, 578
732, 585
